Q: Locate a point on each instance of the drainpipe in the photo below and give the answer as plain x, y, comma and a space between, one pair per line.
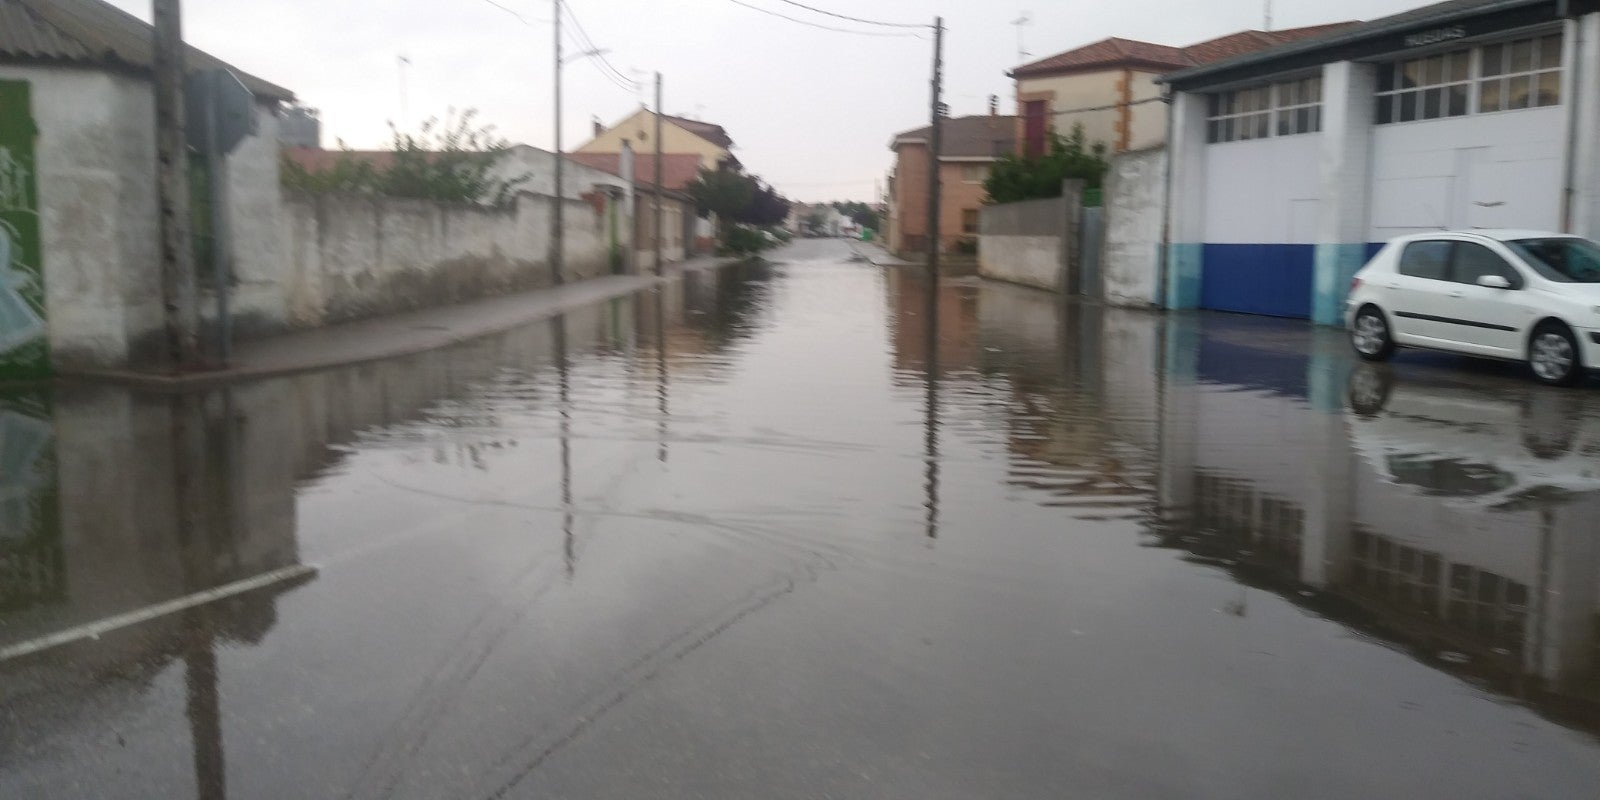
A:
1163, 265
1574, 124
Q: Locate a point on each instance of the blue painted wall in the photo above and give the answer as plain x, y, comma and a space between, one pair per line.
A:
1270, 279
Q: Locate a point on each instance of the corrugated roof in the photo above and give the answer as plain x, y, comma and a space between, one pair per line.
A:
969, 137
96, 32
24, 32
1116, 52
1435, 14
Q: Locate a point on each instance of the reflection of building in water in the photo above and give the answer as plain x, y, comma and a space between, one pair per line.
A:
956, 326
1437, 518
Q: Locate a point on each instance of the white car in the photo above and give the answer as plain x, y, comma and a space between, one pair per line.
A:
1513, 295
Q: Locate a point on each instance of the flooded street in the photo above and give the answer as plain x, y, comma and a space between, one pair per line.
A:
798, 530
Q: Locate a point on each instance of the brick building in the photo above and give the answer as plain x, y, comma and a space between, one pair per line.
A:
970, 146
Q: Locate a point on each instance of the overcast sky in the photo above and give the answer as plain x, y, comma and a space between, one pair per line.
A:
811, 110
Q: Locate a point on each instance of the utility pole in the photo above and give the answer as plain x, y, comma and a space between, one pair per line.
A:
658, 175
180, 314
935, 149
557, 248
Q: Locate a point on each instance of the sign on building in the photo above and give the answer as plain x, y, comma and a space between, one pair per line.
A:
24, 346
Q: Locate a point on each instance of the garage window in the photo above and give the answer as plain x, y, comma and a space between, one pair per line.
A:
1285, 108
1525, 73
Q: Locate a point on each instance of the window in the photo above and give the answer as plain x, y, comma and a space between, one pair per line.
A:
1564, 259
1434, 87
1280, 109
1520, 74
974, 173
1473, 261
1430, 260
969, 220
1035, 127
1299, 106
1525, 73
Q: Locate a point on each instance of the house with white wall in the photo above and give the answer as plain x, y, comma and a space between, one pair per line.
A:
1291, 165
80, 115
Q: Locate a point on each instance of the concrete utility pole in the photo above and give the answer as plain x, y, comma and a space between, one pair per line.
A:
935, 149
658, 175
180, 314
557, 246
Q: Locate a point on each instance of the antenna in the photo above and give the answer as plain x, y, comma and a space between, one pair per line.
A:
405, 115
1267, 15
1022, 22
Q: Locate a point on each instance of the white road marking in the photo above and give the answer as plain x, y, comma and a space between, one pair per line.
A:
96, 629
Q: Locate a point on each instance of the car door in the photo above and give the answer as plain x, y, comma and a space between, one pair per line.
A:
1490, 321
1420, 289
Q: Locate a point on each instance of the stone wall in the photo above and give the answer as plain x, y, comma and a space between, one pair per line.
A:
1135, 204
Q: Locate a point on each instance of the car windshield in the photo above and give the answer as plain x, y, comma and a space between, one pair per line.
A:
1565, 259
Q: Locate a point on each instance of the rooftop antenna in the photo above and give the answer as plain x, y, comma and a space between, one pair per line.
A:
1267, 14
404, 61
1022, 22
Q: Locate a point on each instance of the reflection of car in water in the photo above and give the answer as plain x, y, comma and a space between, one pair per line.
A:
1472, 445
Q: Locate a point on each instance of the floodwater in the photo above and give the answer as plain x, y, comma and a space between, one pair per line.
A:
802, 530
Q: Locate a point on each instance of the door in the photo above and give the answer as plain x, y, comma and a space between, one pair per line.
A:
1491, 320
1421, 288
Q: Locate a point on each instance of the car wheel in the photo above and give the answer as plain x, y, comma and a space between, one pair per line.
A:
1553, 355
1369, 335
1370, 387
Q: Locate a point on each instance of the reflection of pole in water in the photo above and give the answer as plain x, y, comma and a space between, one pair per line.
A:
204, 708
662, 412
199, 559
930, 315
558, 329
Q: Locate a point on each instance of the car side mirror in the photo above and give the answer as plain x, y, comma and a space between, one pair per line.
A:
1494, 282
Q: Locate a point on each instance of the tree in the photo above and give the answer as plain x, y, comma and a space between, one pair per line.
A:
450, 160
767, 208
722, 192
859, 213
1016, 177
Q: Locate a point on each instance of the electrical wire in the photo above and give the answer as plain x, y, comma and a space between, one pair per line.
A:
856, 19
508, 10
587, 44
823, 27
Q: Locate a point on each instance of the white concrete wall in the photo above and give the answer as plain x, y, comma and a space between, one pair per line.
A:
1263, 191
353, 257
96, 171
1499, 170
1135, 195
1029, 260
537, 170
255, 218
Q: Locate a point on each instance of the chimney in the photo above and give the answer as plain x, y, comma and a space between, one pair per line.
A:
598, 127
994, 105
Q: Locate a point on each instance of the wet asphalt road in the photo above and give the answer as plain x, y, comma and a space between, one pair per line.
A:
781, 532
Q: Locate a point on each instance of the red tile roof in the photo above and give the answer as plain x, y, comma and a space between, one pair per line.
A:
1130, 53
677, 169
967, 137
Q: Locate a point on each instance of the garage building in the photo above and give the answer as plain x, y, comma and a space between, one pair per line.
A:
1291, 166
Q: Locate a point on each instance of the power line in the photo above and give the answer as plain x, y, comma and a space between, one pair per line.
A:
601, 63
857, 19
508, 10
816, 25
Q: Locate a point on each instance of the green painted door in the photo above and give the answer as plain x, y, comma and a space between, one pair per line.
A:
24, 346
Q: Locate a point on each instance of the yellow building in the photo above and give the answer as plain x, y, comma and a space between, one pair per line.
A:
679, 136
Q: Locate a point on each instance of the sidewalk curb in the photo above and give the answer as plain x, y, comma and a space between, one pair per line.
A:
242, 372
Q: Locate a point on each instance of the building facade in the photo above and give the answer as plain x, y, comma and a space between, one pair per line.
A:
1291, 166
710, 142
1110, 87
970, 146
